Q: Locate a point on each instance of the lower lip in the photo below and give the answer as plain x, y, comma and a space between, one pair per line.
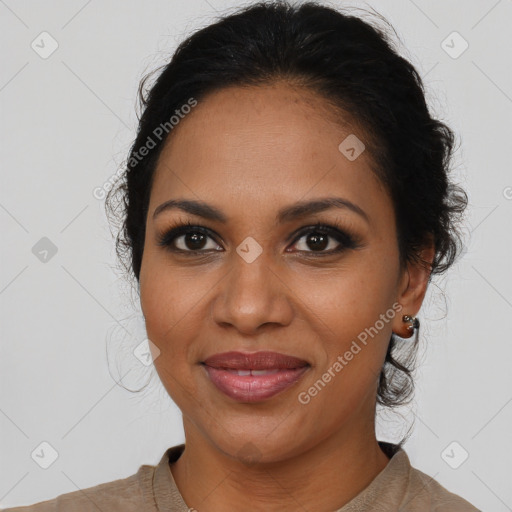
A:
253, 388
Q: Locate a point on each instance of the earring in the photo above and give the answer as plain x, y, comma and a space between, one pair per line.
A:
414, 326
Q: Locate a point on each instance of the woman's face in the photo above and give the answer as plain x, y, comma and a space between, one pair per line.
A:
260, 277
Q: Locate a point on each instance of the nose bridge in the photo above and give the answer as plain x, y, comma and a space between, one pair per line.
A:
251, 294
249, 283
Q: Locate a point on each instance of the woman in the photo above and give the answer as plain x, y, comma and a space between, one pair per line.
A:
287, 204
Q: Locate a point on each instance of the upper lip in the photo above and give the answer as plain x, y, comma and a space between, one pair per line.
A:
263, 360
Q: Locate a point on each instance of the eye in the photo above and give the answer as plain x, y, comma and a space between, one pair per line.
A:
317, 240
324, 239
188, 238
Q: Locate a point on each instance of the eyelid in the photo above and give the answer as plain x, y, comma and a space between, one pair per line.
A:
343, 236
346, 238
177, 229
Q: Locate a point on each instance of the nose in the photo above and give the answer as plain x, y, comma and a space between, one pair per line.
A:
252, 295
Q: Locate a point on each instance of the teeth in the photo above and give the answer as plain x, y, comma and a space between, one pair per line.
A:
245, 373
263, 372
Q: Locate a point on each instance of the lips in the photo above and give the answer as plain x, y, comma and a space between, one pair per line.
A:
252, 377
254, 361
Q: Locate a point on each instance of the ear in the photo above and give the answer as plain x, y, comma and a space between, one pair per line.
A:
412, 288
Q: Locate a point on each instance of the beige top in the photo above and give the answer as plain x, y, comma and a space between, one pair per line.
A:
397, 488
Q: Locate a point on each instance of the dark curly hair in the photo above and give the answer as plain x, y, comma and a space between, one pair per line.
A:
351, 64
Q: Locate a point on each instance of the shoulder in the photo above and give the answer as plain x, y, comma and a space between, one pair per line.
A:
131, 494
402, 487
425, 490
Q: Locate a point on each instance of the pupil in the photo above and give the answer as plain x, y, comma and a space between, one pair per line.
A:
194, 240
317, 241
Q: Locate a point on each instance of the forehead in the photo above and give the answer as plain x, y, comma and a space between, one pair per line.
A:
234, 121
262, 145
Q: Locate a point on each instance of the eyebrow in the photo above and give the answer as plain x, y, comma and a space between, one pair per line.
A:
286, 214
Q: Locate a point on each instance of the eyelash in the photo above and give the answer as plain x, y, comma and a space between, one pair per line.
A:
346, 240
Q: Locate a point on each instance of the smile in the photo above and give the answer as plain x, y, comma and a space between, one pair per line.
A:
254, 377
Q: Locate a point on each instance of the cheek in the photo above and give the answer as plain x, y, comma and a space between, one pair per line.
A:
172, 302
352, 297
165, 305
163, 301
357, 307
163, 297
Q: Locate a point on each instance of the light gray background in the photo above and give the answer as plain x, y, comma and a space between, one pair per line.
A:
67, 123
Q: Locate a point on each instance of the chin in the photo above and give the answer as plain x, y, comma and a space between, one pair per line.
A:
261, 443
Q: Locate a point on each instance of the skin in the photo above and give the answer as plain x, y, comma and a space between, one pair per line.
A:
250, 152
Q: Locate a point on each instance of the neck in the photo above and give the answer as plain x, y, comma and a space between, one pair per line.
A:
323, 478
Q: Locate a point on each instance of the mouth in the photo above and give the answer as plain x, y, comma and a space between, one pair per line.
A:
253, 377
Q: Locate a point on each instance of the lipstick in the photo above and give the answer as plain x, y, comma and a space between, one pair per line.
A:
254, 377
